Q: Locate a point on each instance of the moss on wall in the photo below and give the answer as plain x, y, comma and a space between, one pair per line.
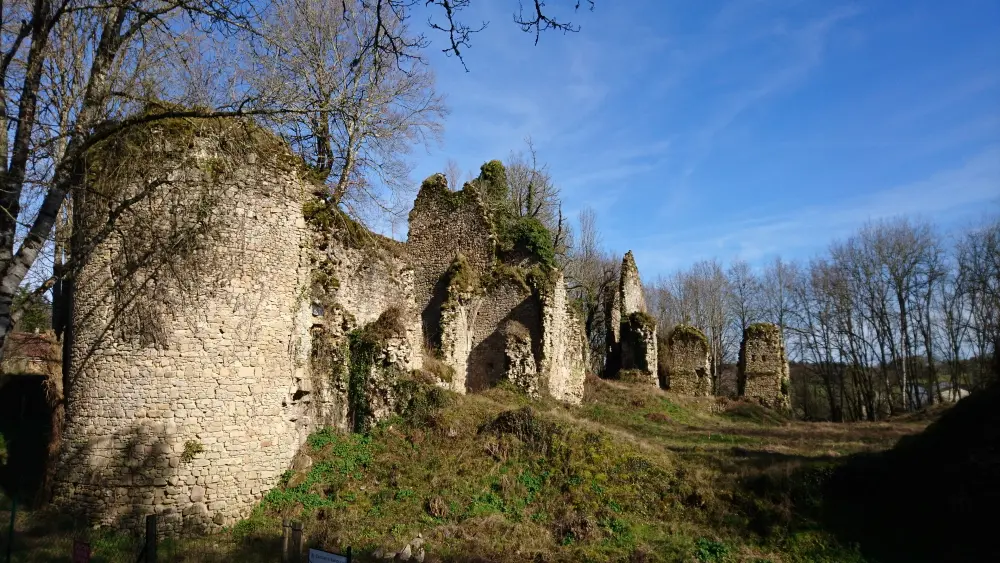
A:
687, 333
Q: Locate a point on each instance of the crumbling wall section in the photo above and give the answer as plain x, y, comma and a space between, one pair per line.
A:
188, 367
443, 224
688, 370
506, 300
630, 288
636, 347
639, 352
356, 277
763, 366
564, 345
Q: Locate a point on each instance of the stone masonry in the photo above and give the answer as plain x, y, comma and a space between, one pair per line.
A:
467, 294
223, 319
636, 347
186, 375
763, 367
688, 370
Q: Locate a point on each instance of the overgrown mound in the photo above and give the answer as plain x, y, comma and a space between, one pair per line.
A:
928, 499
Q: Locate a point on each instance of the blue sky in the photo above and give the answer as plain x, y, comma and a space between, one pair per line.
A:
745, 128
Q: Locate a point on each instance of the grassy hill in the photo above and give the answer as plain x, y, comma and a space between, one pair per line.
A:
634, 474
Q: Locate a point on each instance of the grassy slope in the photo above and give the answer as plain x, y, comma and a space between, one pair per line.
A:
633, 474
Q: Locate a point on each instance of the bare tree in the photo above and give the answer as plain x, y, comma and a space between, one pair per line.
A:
355, 114
592, 277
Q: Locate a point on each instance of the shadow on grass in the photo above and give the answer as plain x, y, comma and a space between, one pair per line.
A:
931, 498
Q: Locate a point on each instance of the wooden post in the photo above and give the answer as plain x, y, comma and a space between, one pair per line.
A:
150, 548
286, 538
348, 554
296, 542
10, 530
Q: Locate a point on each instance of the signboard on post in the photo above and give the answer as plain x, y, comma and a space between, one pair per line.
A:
317, 556
81, 552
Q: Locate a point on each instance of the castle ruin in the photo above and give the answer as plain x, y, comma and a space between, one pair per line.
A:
687, 370
232, 310
632, 345
763, 368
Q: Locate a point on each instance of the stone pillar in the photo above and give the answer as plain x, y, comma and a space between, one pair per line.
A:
520, 368
630, 288
763, 367
688, 371
637, 333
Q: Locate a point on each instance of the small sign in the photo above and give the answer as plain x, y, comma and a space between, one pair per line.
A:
81, 552
317, 556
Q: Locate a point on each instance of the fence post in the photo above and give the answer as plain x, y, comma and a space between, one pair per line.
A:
348, 554
10, 530
286, 533
150, 548
296, 542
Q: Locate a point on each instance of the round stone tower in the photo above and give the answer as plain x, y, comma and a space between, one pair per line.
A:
190, 341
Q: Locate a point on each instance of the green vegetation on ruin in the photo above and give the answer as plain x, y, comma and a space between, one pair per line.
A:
687, 333
643, 320
365, 348
763, 330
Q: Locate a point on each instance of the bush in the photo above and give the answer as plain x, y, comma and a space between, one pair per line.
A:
529, 235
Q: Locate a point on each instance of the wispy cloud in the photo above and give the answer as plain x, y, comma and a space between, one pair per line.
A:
961, 192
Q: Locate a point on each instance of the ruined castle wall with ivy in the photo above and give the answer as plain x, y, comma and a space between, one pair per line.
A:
763, 366
190, 344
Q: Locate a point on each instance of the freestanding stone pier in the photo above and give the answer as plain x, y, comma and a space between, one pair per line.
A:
763, 367
636, 338
688, 370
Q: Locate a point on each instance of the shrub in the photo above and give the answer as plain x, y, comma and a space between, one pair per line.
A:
191, 449
529, 235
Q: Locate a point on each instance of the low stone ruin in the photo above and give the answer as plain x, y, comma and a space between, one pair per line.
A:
688, 371
633, 346
763, 367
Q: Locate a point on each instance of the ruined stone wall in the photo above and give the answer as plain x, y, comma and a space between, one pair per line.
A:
506, 301
564, 344
357, 276
639, 346
630, 288
191, 342
443, 224
763, 367
636, 347
688, 370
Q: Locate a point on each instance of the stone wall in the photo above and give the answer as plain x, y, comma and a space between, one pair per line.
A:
357, 276
564, 344
443, 224
507, 300
763, 367
190, 333
687, 370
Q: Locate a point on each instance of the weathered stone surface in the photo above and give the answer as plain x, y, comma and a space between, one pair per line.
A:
688, 370
639, 345
630, 288
763, 366
633, 347
564, 344
197, 377
520, 368
188, 329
